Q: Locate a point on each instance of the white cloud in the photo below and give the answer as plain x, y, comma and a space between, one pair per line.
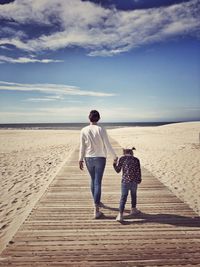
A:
51, 114
4, 59
101, 31
5, 47
50, 98
9, 31
80, 114
58, 89
67, 114
40, 99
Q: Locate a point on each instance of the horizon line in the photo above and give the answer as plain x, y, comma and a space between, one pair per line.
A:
114, 122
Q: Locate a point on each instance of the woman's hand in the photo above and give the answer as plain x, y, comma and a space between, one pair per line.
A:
81, 167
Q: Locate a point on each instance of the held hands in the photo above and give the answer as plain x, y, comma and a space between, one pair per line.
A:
81, 163
81, 166
115, 160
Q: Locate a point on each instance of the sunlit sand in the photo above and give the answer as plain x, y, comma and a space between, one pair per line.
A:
30, 159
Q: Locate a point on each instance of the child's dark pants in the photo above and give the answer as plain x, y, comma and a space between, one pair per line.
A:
125, 187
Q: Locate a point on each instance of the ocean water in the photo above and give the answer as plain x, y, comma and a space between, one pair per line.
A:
77, 126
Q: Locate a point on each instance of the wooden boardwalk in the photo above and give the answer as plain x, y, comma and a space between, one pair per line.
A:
60, 230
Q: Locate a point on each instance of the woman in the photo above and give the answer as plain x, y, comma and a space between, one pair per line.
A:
94, 145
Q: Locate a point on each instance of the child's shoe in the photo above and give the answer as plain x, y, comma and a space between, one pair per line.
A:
119, 217
134, 211
97, 214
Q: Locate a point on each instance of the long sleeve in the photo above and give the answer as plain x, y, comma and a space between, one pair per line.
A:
108, 145
130, 167
138, 172
82, 147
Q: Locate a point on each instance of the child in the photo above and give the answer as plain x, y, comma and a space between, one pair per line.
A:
131, 177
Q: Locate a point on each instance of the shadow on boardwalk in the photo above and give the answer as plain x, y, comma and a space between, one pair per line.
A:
173, 219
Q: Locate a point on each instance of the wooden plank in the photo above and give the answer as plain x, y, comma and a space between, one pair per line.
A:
60, 230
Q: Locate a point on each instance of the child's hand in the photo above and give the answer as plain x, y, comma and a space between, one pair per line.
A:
115, 160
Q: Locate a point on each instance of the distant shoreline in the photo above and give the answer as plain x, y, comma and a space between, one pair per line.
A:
77, 126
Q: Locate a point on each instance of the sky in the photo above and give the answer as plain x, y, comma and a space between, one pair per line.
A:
132, 60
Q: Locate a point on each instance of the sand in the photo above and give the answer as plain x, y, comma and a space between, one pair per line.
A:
29, 160
171, 153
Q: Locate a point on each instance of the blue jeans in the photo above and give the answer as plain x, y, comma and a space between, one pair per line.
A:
125, 188
96, 166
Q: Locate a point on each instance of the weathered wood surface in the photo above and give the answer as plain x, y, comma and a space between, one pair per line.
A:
61, 231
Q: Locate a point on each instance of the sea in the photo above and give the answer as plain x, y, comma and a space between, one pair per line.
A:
77, 126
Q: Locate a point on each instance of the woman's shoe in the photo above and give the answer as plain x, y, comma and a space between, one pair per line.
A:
119, 217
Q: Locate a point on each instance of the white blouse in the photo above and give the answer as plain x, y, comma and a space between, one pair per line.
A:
94, 142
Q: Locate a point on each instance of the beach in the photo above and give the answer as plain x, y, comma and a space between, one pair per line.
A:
30, 159
171, 153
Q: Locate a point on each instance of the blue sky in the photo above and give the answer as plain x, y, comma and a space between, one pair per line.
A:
133, 60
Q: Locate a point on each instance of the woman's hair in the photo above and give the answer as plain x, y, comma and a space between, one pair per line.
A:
94, 116
128, 151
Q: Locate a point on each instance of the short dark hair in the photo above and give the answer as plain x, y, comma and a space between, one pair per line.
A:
94, 116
